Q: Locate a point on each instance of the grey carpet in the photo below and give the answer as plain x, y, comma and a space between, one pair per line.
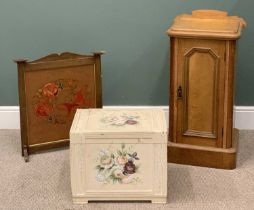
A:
44, 182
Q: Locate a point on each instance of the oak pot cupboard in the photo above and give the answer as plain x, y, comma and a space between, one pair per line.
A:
202, 74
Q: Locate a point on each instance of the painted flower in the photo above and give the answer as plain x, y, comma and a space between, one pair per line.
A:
43, 109
63, 97
79, 98
120, 120
106, 160
131, 122
50, 90
121, 160
117, 166
129, 168
100, 177
118, 173
69, 106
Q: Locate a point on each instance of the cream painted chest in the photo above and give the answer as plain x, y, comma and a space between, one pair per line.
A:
118, 155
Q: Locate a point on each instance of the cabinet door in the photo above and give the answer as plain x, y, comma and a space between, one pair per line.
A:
200, 92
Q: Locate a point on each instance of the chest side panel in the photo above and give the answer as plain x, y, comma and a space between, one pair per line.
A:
119, 170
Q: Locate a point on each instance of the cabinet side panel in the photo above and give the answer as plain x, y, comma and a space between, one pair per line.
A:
229, 93
173, 88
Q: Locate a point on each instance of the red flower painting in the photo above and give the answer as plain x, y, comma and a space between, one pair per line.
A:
50, 90
57, 100
79, 98
43, 109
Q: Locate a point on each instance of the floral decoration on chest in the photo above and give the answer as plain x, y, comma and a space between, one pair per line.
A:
118, 165
120, 120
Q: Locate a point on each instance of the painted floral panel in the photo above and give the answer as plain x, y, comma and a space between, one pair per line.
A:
118, 166
121, 120
57, 100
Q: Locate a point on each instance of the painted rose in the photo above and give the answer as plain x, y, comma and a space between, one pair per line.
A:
117, 165
106, 160
121, 160
50, 90
129, 168
120, 120
79, 98
43, 109
100, 177
118, 174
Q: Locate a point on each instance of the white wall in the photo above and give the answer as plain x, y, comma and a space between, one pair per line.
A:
244, 115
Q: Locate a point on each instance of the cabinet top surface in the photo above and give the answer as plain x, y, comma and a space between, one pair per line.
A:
119, 121
207, 23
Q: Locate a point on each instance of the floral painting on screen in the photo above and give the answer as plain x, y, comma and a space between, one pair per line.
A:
55, 101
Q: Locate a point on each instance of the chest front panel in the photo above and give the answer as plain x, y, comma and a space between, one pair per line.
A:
118, 155
200, 91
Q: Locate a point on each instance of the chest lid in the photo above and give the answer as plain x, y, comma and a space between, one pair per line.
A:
119, 122
207, 23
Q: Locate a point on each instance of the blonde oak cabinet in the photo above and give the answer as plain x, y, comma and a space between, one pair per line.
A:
202, 74
118, 155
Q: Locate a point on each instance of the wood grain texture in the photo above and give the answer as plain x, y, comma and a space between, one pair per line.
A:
98, 81
33, 76
189, 156
22, 103
200, 85
209, 24
173, 89
48, 145
62, 56
230, 72
200, 74
203, 70
204, 156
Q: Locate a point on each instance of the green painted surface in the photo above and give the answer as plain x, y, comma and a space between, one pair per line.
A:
135, 68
